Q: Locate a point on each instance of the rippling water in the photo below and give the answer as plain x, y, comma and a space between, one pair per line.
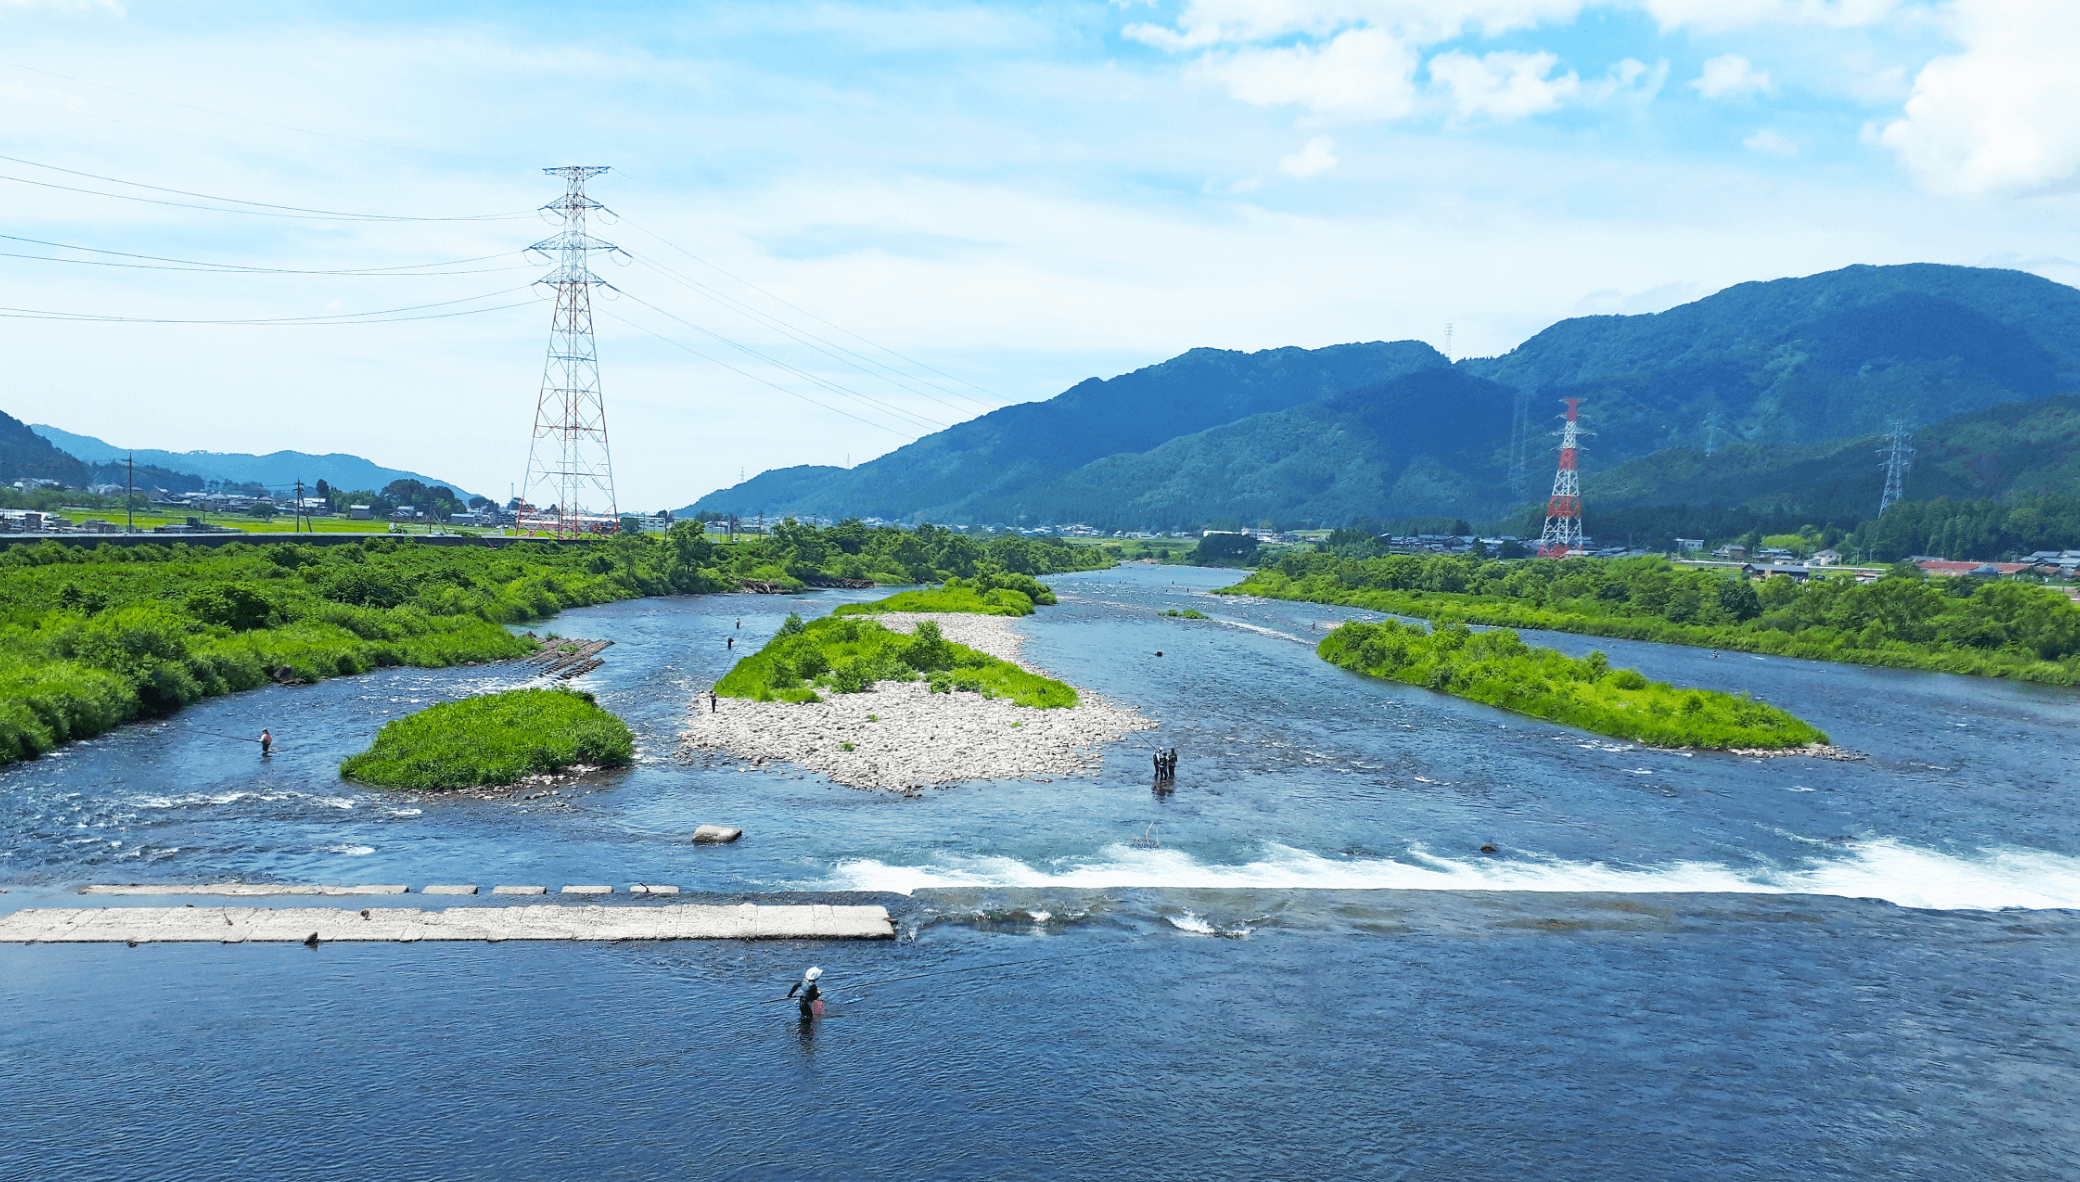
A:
1298, 964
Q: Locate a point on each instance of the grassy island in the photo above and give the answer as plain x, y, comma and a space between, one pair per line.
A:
992, 593
492, 741
1904, 620
1498, 669
848, 654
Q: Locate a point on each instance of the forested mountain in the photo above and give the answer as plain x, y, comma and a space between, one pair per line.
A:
1785, 382
981, 470
27, 455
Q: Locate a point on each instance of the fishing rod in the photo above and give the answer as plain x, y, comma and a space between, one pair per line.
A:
217, 735
976, 968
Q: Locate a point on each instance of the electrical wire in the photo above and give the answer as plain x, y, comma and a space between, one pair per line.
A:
754, 377
387, 315
826, 383
260, 208
213, 269
802, 337
244, 267
626, 175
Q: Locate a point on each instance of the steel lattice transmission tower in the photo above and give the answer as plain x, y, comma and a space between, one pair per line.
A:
1899, 458
1563, 532
569, 462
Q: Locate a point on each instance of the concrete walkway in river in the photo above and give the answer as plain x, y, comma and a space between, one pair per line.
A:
239, 925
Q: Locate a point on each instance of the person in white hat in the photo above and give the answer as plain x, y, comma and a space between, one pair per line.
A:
811, 1002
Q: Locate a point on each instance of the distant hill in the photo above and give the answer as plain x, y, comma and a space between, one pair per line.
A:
981, 470
1786, 377
277, 470
1824, 357
1430, 442
2015, 449
27, 455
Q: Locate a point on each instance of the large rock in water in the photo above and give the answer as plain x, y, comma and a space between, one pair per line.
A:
715, 834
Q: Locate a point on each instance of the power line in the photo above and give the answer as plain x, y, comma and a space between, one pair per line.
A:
208, 268
804, 311
826, 383
754, 377
390, 315
804, 337
242, 266
260, 208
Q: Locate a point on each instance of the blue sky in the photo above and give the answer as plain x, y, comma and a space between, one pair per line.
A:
1015, 196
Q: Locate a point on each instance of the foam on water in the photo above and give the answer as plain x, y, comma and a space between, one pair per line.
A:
1988, 879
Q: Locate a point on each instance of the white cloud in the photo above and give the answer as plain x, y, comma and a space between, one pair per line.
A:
1359, 58
1774, 143
1205, 23
2004, 115
1729, 76
1719, 15
108, 6
1503, 85
1317, 157
1365, 72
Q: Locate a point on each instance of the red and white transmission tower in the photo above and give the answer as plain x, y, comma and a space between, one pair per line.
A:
569, 466
1563, 533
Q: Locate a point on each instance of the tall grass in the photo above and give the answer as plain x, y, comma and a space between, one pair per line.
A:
492, 740
1997, 629
847, 655
992, 593
1499, 669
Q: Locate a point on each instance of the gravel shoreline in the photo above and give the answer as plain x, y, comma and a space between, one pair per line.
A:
905, 738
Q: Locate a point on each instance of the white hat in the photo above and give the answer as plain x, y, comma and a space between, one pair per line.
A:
812, 974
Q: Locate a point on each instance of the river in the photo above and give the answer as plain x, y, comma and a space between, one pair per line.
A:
1298, 964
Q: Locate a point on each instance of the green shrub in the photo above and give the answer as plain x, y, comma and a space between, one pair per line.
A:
847, 655
1499, 669
492, 740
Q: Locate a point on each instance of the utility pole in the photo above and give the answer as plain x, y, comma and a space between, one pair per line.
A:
296, 522
1899, 459
130, 497
569, 453
1563, 529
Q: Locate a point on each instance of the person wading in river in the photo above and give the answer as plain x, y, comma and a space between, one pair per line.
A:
266, 742
811, 1003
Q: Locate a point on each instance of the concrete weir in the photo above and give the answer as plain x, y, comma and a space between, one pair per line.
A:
539, 921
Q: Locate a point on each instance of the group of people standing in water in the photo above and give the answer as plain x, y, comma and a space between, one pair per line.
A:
1166, 766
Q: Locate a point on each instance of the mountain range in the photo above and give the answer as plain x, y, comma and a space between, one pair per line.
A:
1768, 389
278, 471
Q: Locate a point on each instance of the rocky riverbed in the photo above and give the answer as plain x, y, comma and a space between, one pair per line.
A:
900, 736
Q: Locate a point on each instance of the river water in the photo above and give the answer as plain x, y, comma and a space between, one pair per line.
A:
1298, 964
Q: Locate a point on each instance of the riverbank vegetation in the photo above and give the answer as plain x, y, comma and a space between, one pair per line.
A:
991, 593
1499, 669
91, 638
492, 741
848, 654
1905, 620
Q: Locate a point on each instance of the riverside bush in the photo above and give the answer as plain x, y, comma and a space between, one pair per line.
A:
1499, 669
492, 740
847, 655
1904, 620
993, 593
91, 638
